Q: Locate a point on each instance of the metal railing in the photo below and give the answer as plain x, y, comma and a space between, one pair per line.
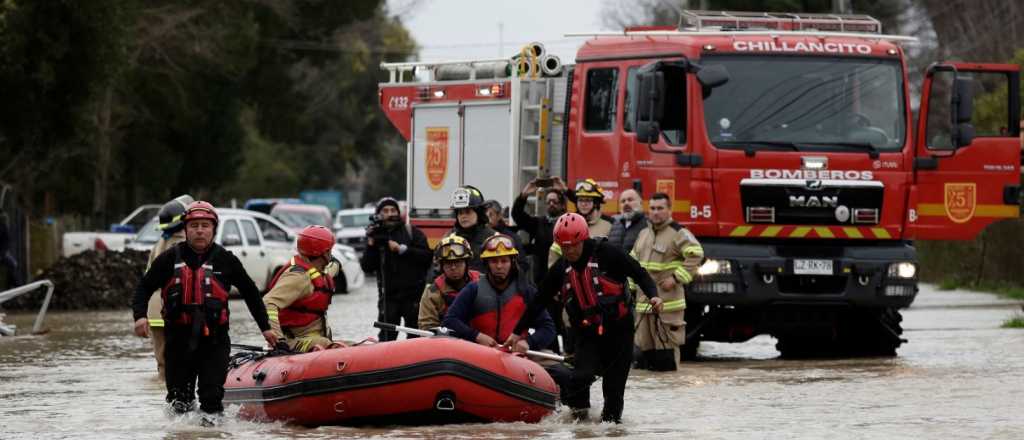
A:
7, 295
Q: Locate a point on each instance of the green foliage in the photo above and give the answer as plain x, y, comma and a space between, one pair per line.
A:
1014, 322
990, 108
111, 103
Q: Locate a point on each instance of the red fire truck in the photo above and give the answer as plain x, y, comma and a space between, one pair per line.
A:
785, 140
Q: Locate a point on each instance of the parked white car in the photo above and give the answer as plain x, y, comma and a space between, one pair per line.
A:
297, 216
350, 227
264, 245
115, 240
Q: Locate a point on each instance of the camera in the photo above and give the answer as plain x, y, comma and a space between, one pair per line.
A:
377, 230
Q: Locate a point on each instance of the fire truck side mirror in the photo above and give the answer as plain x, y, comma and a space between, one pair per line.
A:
962, 110
650, 105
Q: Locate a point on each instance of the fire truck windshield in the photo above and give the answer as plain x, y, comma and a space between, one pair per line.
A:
807, 104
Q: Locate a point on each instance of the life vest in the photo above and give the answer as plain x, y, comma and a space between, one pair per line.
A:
591, 298
311, 307
496, 315
195, 297
448, 295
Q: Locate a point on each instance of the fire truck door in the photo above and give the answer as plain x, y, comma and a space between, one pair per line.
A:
666, 165
435, 161
968, 156
489, 163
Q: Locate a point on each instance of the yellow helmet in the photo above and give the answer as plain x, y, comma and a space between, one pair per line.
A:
588, 188
498, 245
453, 248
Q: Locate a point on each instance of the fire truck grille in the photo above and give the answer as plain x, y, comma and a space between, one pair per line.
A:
800, 202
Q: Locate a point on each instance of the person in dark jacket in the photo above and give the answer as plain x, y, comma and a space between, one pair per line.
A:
406, 260
196, 276
629, 222
471, 221
540, 228
486, 310
591, 279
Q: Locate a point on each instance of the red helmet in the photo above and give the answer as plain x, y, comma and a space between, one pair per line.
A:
200, 210
315, 241
570, 229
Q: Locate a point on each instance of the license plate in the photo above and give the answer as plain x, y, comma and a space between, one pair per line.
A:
812, 267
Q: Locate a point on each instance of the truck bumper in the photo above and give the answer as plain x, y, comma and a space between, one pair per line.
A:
764, 275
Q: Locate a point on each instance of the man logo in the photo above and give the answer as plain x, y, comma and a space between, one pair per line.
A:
813, 201
813, 184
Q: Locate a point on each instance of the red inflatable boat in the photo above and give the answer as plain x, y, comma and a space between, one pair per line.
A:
417, 381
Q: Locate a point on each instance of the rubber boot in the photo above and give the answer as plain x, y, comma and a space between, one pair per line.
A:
661, 360
611, 414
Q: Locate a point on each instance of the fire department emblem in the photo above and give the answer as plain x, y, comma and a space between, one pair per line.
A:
667, 186
437, 156
960, 201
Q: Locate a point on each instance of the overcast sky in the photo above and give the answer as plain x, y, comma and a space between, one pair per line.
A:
469, 29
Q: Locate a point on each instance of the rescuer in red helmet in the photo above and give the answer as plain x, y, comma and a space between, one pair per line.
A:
300, 293
195, 277
590, 280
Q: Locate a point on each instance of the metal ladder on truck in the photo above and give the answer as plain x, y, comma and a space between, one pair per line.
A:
7, 295
538, 121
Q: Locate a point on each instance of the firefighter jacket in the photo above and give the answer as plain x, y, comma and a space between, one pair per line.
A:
599, 228
224, 268
437, 297
479, 307
405, 273
666, 250
155, 303
297, 304
624, 233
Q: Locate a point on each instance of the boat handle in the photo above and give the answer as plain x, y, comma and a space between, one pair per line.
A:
341, 366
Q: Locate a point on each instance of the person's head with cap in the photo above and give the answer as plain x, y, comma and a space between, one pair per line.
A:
389, 211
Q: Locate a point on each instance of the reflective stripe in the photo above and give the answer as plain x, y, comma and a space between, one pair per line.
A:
313, 273
668, 306
156, 322
659, 267
683, 276
693, 251
556, 249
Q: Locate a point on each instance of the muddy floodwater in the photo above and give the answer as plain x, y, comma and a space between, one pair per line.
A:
960, 376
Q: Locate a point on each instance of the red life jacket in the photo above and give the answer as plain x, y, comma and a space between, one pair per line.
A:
448, 295
195, 296
311, 307
591, 298
497, 315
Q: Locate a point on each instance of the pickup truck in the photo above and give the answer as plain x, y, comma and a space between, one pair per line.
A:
263, 244
119, 235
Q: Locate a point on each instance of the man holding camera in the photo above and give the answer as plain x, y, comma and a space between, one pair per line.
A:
400, 256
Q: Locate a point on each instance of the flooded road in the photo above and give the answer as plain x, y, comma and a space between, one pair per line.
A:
960, 376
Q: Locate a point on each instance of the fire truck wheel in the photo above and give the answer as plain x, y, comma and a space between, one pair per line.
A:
872, 333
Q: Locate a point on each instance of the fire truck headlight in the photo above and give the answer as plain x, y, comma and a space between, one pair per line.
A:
905, 270
715, 267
